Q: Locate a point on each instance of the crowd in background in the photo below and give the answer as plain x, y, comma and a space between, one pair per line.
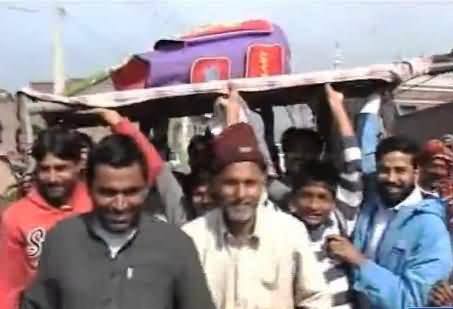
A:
110, 225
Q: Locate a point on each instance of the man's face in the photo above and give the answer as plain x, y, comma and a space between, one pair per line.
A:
396, 176
297, 156
201, 199
313, 204
56, 179
118, 195
238, 189
199, 156
433, 172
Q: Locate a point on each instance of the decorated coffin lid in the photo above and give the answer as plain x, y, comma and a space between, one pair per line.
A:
260, 49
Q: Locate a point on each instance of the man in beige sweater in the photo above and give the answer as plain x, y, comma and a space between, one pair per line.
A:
254, 256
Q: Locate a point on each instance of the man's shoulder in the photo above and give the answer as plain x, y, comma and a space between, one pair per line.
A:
284, 224
286, 232
201, 224
427, 209
18, 211
281, 216
69, 227
428, 202
430, 210
161, 231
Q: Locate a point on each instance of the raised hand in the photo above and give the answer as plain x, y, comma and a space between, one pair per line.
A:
111, 117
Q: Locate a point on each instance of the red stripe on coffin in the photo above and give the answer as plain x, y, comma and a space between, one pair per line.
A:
265, 60
250, 25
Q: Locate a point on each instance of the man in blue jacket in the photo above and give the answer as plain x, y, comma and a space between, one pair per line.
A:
401, 245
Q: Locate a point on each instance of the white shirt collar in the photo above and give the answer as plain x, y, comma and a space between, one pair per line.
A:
115, 242
429, 193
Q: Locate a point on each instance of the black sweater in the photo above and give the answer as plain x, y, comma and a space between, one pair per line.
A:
158, 269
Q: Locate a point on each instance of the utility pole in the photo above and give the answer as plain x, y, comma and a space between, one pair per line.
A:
57, 42
58, 57
338, 57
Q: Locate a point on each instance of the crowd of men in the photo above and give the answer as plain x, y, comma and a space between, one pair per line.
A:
110, 225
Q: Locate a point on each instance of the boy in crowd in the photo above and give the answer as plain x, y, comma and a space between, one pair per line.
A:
313, 202
349, 192
320, 198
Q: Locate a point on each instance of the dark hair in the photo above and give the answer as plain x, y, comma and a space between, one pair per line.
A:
317, 171
59, 142
197, 178
398, 143
85, 140
295, 136
117, 151
202, 140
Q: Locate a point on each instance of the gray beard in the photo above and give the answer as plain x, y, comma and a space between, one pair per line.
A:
241, 213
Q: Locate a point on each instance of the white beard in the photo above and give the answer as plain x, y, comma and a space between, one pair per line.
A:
239, 213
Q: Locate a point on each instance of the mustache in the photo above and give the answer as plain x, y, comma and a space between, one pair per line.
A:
390, 184
51, 186
239, 204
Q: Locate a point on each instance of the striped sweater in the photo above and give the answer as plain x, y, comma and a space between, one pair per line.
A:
342, 221
335, 273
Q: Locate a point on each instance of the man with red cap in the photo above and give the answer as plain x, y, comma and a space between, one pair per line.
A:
435, 161
253, 255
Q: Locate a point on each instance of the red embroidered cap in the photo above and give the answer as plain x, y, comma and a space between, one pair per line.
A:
237, 143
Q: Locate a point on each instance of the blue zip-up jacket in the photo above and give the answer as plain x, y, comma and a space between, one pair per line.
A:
415, 249
413, 254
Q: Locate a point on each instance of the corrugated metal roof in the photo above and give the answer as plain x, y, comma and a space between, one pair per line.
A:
425, 91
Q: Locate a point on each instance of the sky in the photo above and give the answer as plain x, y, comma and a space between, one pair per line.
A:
99, 34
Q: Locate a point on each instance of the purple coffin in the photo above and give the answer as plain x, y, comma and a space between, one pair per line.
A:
248, 49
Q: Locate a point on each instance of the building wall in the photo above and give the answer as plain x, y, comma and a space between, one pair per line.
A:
426, 124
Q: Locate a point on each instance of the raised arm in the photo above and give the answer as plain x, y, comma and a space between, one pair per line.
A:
368, 132
350, 189
234, 106
122, 125
159, 172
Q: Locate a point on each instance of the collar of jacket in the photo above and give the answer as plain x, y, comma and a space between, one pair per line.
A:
404, 215
91, 218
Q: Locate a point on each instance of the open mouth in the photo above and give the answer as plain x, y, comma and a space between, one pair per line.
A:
313, 217
56, 190
118, 219
393, 189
